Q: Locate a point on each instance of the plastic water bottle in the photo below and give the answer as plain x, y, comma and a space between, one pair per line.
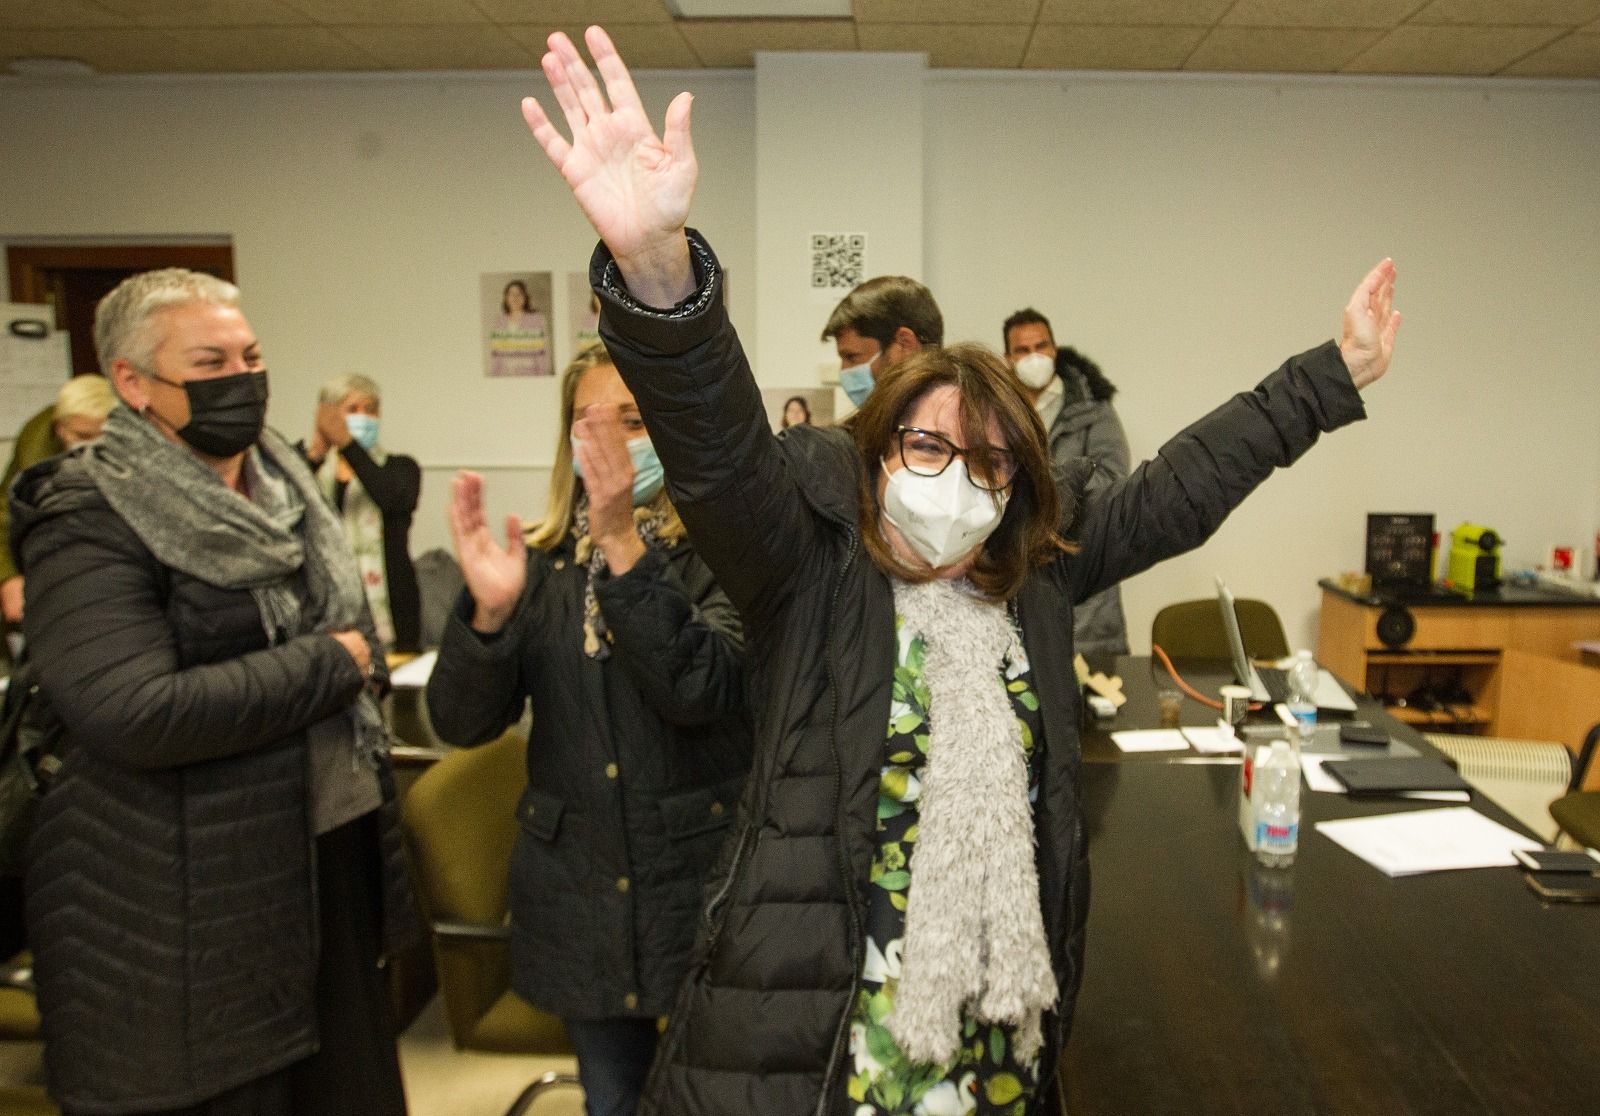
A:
1303, 676
1278, 808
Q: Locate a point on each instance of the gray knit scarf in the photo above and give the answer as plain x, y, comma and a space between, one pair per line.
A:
283, 544
974, 933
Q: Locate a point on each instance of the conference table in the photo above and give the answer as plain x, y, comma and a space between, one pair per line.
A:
1214, 985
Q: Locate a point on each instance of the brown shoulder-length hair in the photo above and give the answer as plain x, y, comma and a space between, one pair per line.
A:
560, 509
1027, 535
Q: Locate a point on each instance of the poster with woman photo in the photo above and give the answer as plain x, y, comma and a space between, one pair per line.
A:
583, 311
788, 407
516, 323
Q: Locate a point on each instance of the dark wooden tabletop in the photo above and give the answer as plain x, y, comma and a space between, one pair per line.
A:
1216, 986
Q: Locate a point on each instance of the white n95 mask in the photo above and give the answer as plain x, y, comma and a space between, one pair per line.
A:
942, 517
1035, 370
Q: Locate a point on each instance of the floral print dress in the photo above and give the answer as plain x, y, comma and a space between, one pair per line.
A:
984, 1076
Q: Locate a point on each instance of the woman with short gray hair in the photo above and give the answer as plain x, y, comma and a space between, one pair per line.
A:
216, 866
375, 494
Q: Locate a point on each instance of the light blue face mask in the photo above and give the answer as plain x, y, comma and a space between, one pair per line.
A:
363, 428
857, 382
648, 475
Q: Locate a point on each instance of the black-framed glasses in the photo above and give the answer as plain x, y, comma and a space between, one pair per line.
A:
928, 454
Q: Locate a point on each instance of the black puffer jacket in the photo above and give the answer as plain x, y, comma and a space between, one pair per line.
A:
635, 765
171, 904
762, 1023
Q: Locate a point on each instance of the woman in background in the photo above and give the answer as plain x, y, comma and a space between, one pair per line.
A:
375, 493
632, 659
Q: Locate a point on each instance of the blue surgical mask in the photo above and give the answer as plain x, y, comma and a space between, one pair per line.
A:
363, 428
648, 474
857, 382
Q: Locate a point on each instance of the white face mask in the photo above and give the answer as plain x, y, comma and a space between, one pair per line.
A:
1035, 370
942, 517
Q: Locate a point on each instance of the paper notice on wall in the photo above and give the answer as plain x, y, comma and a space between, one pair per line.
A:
35, 360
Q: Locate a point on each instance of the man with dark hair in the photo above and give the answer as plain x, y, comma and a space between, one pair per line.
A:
878, 325
1073, 398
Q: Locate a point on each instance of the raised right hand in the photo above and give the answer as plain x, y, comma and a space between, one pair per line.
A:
494, 574
634, 188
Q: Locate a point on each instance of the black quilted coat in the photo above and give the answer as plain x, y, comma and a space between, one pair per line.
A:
761, 1026
170, 901
635, 765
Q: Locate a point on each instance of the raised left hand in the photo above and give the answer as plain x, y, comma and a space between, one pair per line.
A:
331, 427
602, 453
1370, 323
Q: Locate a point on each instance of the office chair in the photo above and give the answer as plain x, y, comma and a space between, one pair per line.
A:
19, 1022
1193, 630
461, 821
1578, 811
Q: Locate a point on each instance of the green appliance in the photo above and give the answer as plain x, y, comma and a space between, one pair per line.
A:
1474, 558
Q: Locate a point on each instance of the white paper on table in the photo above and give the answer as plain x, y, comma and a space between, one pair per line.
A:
414, 675
1213, 739
1427, 840
1150, 740
1318, 779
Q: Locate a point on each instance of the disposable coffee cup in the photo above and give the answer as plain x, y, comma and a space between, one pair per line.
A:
1235, 704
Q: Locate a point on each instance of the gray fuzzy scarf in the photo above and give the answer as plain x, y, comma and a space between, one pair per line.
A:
284, 544
975, 934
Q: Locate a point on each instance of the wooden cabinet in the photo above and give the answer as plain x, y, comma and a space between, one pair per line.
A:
1501, 665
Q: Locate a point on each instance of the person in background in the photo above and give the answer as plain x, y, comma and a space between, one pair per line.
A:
74, 418
796, 412
375, 493
633, 661
216, 867
879, 324
1073, 399
898, 923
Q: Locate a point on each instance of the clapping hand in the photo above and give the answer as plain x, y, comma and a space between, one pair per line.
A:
602, 452
634, 187
1370, 323
494, 574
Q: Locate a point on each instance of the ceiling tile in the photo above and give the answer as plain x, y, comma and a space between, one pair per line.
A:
1323, 13
643, 46
1449, 50
1125, 13
263, 50
61, 13
952, 45
718, 42
453, 47
205, 13
1510, 13
1315, 50
129, 50
579, 13
945, 11
1576, 56
387, 12
1065, 47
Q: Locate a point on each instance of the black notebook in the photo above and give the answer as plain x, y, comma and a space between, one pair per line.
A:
1392, 776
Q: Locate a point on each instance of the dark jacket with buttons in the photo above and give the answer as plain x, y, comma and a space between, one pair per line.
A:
762, 1025
635, 764
171, 884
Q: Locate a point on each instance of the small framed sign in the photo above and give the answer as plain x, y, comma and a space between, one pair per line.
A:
1400, 549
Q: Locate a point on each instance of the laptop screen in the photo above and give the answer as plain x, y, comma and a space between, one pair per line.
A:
1230, 624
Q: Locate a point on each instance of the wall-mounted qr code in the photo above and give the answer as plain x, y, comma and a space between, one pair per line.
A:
838, 260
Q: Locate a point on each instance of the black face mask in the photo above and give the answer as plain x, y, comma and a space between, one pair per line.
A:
225, 413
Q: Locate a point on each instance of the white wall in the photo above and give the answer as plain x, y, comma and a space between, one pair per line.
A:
1188, 233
